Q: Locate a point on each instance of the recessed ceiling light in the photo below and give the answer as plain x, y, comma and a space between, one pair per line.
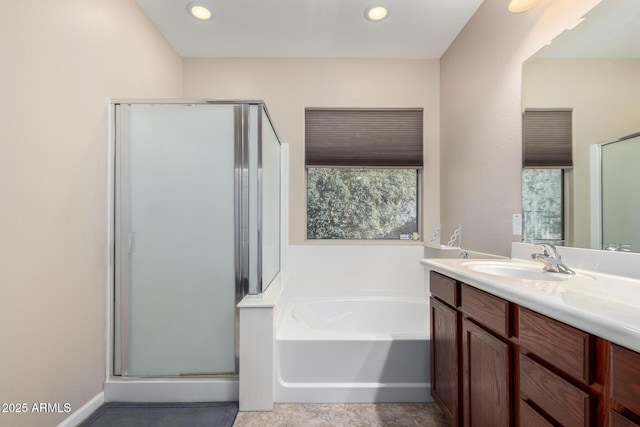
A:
199, 10
376, 13
517, 6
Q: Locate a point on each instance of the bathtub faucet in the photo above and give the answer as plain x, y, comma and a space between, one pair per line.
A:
551, 259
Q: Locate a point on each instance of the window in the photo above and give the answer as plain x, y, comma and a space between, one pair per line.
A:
363, 173
362, 203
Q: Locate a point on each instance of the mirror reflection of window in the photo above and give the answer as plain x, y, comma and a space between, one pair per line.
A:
542, 206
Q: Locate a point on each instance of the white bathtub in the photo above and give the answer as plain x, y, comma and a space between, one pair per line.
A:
371, 349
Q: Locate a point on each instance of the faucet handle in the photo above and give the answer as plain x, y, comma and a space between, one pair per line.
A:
551, 259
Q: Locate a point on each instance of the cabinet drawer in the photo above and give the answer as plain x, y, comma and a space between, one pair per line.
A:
625, 377
568, 348
567, 404
444, 288
491, 311
530, 418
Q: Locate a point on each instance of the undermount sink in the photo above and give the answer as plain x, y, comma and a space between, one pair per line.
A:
524, 271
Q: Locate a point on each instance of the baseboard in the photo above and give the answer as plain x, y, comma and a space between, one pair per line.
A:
354, 393
83, 412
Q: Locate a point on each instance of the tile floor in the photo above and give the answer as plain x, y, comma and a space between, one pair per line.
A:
345, 414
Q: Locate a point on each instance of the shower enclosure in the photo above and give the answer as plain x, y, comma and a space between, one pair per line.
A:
196, 228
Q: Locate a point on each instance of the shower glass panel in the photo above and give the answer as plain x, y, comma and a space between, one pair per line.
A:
270, 202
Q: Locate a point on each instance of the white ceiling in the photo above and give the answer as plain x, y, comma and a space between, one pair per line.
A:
312, 28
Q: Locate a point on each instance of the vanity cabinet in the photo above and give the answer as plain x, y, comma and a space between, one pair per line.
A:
495, 363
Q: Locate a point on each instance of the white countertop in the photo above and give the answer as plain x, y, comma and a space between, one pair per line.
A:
605, 305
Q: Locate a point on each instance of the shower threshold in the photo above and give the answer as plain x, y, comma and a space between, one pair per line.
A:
192, 389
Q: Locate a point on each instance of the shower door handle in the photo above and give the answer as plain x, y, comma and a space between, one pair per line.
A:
131, 242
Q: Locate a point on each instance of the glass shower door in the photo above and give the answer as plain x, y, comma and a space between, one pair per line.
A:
175, 233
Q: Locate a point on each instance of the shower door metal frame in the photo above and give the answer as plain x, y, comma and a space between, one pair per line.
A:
242, 134
249, 112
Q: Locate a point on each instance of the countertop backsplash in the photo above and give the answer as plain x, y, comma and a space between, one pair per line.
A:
624, 264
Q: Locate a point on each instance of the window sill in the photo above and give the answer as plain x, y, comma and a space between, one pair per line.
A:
328, 242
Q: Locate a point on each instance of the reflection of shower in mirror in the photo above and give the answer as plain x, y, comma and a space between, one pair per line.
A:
614, 192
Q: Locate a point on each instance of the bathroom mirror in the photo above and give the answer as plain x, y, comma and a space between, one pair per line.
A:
593, 69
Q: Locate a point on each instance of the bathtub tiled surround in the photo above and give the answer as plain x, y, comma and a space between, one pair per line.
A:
326, 268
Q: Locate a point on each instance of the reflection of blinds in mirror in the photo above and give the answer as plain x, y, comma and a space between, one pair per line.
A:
546, 138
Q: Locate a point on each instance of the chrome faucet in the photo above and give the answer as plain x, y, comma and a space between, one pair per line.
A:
551, 259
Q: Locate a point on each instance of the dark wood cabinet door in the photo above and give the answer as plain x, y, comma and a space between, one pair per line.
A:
487, 378
444, 359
